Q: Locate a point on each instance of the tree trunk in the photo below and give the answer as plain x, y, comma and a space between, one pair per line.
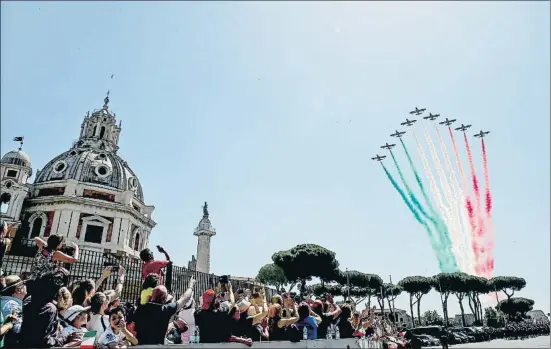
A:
475, 309
391, 310
411, 309
369, 301
444, 301
460, 299
419, 311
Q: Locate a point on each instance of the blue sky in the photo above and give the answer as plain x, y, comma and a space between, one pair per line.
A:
271, 111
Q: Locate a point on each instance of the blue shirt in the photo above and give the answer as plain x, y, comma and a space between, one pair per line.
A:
12, 305
311, 325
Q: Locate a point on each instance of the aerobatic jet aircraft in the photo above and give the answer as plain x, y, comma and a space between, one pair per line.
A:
397, 134
388, 146
417, 111
431, 117
408, 122
378, 158
463, 128
447, 122
482, 134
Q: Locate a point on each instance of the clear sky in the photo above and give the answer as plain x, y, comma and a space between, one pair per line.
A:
271, 111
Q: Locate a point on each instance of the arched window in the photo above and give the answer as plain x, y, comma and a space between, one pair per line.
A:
102, 132
37, 226
95, 129
137, 242
5, 202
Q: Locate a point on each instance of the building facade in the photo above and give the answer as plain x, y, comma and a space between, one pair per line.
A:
88, 193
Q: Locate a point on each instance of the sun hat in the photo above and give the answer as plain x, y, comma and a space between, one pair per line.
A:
71, 313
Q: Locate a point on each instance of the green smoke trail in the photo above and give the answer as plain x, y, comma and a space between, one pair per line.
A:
446, 262
411, 195
435, 218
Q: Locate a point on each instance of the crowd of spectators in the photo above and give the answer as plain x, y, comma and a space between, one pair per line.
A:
41, 309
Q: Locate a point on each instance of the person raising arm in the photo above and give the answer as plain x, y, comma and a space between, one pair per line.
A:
53, 246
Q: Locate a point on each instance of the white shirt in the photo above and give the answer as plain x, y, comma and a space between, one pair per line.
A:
71, 329
187, 315
109, 337
95, 324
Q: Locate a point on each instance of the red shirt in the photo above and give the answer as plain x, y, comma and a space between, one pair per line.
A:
154, 267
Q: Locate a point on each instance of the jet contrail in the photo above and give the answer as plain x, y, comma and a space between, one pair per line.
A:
443, 262
489, 221
463, 223
479, 232
444, 235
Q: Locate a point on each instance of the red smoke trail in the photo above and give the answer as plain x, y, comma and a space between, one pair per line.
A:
488, 196
479, 231
475, 246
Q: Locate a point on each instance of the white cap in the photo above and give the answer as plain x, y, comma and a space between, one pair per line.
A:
71, 313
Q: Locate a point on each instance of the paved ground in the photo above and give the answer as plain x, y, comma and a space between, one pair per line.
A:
538, 342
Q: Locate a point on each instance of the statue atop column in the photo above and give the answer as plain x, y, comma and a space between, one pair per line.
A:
205, 210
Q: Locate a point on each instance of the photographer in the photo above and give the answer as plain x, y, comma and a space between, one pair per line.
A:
6, 324
12, 303
49, 253
152, 319
153, 266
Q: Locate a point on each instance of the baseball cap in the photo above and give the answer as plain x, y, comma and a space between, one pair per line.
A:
71, 313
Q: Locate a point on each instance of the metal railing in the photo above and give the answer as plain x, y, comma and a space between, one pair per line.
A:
91, 264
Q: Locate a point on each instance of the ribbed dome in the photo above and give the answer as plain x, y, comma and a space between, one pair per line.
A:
17, 157
92, 165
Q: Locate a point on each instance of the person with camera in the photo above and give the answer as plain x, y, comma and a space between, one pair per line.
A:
328, 311
6, 325
13, 294
152, 319
101, 301
117, 334
49, 253
154, 266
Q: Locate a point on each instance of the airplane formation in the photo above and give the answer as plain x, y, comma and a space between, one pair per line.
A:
431, 117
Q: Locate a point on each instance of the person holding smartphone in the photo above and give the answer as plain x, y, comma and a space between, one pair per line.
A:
153, 266
117, 334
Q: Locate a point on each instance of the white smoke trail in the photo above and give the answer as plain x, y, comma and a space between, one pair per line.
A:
458, 206
434, 189
453, 223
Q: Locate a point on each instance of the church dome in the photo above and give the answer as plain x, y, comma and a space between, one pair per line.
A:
92, 165
16, 157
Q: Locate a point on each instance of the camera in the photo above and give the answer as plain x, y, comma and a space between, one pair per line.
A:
111, 264
224, 279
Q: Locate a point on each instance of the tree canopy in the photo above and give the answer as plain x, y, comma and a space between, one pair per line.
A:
508, 284
271, 274
417, 287
319, 290
515, 307
303, 262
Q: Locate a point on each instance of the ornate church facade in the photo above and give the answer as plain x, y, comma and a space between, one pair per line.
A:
88, 194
